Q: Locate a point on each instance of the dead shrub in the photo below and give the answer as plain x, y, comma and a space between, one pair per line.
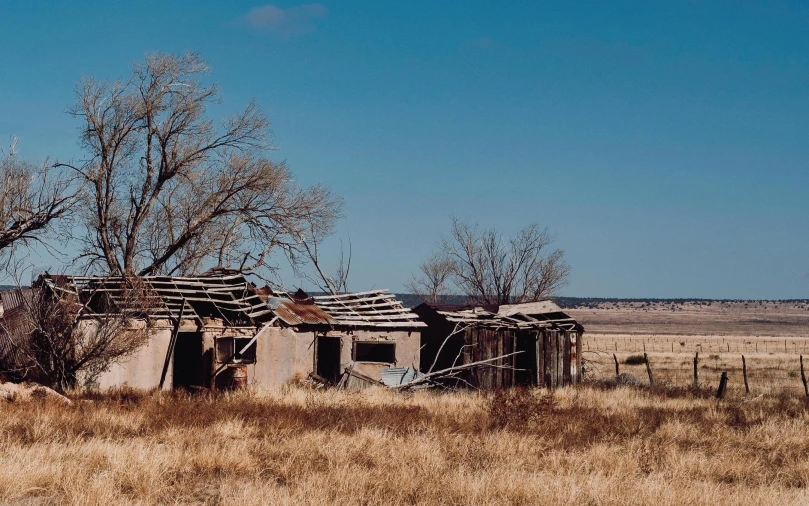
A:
519, 408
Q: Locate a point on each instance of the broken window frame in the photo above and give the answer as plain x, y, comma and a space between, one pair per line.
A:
388, 344
234, 344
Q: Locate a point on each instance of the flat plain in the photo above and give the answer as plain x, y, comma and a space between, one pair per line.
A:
771, 335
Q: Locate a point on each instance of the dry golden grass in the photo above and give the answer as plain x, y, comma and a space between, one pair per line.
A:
770, 334
585, 445
771, 372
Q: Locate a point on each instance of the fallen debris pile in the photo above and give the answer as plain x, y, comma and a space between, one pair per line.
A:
15, 392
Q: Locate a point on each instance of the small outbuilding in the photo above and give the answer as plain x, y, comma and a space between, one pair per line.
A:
538, 344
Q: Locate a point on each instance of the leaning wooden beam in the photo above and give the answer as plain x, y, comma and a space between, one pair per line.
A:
375, 311
450, 370
172, 343
349, 295
255, 337
381, 325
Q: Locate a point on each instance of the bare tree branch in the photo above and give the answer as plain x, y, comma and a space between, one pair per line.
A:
32, 199
432, 285
170, 191
491, 269
59, 342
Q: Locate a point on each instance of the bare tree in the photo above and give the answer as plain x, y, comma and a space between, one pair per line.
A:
32, 198
432, 284
491, 269
334, 282
60, 340
171, 192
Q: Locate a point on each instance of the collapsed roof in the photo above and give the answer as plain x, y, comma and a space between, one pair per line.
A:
227, 296
375, 308
534, 315
231, 297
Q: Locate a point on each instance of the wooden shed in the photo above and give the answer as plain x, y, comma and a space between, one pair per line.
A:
540, 345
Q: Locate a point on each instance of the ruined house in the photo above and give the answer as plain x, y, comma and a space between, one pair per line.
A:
352, 337
540, 345
219, 330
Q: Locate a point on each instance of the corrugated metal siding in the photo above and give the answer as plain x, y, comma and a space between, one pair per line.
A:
393, 376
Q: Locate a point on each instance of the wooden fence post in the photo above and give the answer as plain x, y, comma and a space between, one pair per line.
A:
723, 383
744, 371
648, 369
696, 370
803, 379
617, 372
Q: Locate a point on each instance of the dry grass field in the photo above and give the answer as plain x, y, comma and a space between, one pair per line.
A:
771, 335
669, 444
582, 445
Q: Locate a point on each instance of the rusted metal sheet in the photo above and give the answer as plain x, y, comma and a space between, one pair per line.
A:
238, 376
295, 313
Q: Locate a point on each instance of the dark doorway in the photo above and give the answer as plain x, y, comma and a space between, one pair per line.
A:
327, 364
188, 363
526, 360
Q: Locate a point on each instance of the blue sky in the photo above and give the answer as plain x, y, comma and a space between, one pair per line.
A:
665, 143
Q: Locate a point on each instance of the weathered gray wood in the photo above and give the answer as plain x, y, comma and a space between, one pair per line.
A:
803, 379
540, 361
744, 372
513, 359
566, 345
444, 372
579, 372
696, 370
560, 357
556, 359
723, 383
550, 371
648, 369
617, 368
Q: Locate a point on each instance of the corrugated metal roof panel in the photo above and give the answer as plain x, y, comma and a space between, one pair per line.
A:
293, 313
394, 376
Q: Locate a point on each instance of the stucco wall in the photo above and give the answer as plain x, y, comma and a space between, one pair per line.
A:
407, 350
143, 369
281, 355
